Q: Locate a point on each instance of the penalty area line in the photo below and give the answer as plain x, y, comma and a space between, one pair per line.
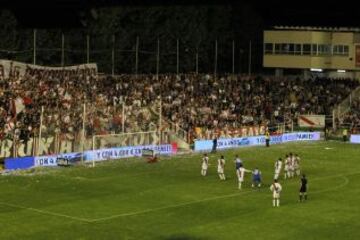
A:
171, 206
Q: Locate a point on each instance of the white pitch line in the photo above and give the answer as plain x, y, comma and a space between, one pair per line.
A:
346, 182
46, 212
171, 206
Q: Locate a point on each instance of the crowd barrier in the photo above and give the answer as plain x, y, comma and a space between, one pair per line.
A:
87, 156
166, 149
19, 163
226, 143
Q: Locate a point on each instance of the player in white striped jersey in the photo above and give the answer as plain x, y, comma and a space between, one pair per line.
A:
291, 165
241, 175
286, 167
221, 167
276, 189
204, 165
278, 166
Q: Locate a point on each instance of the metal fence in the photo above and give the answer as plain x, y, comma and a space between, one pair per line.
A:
117, 54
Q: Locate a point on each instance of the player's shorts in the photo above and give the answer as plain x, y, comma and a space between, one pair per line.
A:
276, 195
204, 166
220, 170
241, 179
303, 189
277, 171
286, 168
256, 179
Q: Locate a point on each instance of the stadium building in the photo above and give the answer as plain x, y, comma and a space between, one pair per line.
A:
328, 52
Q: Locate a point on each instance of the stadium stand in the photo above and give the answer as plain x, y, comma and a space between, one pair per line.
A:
188, 100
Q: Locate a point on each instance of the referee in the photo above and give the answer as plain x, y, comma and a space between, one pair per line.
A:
303, 189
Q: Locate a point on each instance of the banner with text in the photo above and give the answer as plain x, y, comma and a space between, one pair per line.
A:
105, 154
15, 69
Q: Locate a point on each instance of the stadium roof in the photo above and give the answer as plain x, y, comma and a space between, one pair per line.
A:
326, 29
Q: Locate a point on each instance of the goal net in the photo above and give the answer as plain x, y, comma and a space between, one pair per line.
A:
129, 139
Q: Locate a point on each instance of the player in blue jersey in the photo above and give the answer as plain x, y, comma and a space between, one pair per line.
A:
256, 175
238, 162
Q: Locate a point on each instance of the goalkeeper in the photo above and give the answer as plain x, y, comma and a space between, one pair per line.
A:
150, 155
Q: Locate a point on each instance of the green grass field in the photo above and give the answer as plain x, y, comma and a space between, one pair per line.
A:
170, 200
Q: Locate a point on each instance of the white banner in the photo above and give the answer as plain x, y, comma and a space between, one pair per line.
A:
355, 138
225, 143
19, 69
311, 120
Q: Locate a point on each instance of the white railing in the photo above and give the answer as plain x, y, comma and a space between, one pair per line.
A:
345, 105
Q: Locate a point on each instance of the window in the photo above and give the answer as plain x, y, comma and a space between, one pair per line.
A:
306, 49
291, 48
277, 48
314, 49
324, 49
269, 48
285, 48
341, 50
297, 49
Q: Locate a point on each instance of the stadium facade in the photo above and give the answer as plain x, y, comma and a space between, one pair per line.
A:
333, 52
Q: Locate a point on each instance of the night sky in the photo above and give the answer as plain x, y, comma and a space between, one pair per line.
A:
310, 13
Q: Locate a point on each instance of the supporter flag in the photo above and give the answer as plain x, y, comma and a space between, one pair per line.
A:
17, 106
27, 100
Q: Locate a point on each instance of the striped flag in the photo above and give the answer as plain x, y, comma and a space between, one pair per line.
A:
17, 105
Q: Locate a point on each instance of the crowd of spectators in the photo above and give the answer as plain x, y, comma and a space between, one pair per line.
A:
227, 101
188, 100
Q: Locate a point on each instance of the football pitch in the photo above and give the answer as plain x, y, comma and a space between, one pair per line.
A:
170, 200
